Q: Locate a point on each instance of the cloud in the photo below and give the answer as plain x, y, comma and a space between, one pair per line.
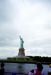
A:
8, 52
29, 18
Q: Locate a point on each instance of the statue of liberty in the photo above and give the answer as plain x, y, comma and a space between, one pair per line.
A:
21, 42
21, 52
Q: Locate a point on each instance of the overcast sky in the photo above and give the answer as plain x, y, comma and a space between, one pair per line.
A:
29, 18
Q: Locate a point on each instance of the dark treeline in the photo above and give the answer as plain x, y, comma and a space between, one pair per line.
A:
40, 59
28, 59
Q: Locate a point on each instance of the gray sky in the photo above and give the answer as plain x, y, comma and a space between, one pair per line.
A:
29, 18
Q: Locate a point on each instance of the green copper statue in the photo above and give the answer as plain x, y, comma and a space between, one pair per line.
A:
21, 42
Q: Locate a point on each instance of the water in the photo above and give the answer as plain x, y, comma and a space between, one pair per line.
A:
19, 68
23, 68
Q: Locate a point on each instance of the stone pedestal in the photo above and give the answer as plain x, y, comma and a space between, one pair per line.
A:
21, 52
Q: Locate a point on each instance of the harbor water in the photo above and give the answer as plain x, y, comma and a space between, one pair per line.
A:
24, 68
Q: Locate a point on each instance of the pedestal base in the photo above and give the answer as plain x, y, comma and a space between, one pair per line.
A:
21, 52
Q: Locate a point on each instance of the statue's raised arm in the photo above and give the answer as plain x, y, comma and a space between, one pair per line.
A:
21, 42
